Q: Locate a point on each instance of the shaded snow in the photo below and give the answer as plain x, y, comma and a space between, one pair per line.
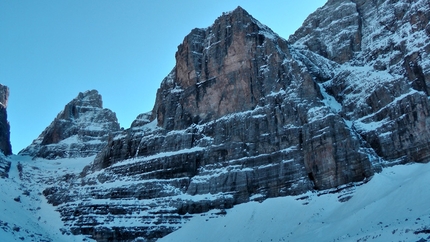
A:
25, 214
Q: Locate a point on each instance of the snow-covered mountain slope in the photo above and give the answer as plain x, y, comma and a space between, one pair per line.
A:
392, 206
25, 214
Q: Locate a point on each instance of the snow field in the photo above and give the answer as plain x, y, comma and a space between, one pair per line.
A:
392, 206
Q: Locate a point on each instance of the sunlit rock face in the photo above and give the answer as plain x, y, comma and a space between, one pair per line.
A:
82, 129
246, 115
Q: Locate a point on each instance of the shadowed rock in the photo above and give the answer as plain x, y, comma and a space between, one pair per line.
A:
5, 145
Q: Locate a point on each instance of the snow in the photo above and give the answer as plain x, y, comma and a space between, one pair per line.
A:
329, 100
317, 113
25, 214
392, 206
159, 155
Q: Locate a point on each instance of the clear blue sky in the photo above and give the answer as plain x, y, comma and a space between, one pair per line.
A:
52, 50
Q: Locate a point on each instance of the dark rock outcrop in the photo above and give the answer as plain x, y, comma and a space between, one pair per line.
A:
5, 165
82, 129
5, 146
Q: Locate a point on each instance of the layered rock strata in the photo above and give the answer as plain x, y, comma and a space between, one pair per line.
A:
82, 129
245, 115
383, 81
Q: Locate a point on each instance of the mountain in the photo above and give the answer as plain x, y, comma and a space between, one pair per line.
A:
246, 115
82, 129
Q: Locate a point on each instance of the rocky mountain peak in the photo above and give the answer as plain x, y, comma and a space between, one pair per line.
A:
81, 129
4, 95
220, 70
84, 102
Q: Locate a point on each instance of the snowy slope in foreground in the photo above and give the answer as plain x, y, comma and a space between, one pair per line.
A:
393, 206
25, 214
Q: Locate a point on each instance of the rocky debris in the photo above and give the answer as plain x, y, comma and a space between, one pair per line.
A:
82, 129
5, 146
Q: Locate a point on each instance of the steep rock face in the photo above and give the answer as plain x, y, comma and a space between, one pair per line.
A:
221, 70
239, 118
382, 80
5, 146
82, 129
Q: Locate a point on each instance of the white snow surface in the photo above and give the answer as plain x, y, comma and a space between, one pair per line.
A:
392, 206
25, 214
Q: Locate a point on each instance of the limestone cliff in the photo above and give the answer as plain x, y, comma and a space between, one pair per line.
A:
82, 129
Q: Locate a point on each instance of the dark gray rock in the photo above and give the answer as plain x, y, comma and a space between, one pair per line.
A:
5, 146
82, 129
4, 166
382, 82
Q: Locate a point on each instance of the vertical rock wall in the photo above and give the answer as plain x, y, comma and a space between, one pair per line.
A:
5, 145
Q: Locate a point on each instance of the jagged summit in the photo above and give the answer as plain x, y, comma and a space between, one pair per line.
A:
220, 70
80, 130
